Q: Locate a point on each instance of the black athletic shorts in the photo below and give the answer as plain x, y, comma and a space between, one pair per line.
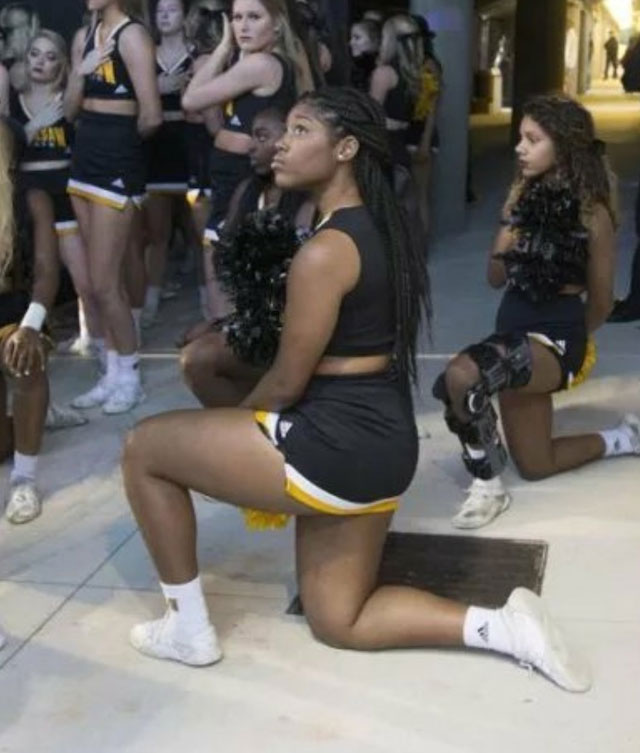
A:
350, 445
166, 153
228, 170
559, 324
108, 164
54, 183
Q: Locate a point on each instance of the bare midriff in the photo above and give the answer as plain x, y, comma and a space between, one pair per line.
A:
339, 366
111, 106
229, 141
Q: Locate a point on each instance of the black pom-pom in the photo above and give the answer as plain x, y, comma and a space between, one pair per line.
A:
252, 267
552, 249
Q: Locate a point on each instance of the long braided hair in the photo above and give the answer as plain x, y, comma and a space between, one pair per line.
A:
349, 112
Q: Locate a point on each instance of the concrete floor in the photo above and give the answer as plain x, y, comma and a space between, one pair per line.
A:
73, 582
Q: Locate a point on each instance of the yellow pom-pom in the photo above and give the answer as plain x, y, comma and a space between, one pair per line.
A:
429, 90
590, 360
259, 520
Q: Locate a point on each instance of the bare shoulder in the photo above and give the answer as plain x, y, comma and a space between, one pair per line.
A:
135, 34
602, 222
330, 254
384, 75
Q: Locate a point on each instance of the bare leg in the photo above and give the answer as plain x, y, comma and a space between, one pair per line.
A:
134, 274
6, 424
527, 417
109, 237
223, 454
74, 257
30, 401
338, 561
159, 219
215, 375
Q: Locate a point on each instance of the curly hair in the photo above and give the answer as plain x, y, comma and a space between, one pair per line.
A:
580, 155
348, 112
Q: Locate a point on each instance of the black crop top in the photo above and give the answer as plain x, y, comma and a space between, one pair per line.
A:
366, 323
50, 144
399, 104
172, 102
111, 80
240, 112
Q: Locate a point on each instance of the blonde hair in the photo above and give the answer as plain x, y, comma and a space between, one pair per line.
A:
289, 45
7, 224
61, 48
402, 44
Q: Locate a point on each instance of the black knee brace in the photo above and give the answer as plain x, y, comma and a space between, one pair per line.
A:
503, 362
480, 431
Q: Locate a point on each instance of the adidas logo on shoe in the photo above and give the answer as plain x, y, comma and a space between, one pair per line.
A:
483, 632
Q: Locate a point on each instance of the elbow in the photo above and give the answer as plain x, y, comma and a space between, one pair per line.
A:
188, 103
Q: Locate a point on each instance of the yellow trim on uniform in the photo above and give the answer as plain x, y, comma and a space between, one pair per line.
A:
300, 495
91, 196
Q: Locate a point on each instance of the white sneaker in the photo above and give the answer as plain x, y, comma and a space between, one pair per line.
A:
158, 639
63, 418
631, 426
123, 398
486, 500
77, 346
540, 643
96, 396
23, 503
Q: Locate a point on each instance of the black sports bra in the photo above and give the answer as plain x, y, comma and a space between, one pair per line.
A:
111, 80
240, 112
366, 324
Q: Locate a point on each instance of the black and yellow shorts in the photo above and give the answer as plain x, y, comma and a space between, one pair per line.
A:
108, 164
54, 183
350, 445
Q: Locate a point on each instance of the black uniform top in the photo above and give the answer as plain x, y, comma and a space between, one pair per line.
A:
171, 103
111, 80
240, 112
366, 324
50, 144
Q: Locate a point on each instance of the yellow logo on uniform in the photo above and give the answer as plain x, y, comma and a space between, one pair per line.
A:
106, 72
53, 137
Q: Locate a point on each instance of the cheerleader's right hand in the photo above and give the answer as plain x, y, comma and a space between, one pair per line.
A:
96, 58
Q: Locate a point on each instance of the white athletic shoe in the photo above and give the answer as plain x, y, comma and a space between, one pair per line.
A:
123, 398
148, 317
23, 502
63, 418
77, 346
539, 643
631, 425
486, 500
158, 639
96, 396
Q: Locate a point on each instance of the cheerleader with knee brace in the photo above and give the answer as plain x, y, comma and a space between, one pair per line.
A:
555, 258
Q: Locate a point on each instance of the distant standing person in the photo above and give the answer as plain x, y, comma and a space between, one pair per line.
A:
611, 50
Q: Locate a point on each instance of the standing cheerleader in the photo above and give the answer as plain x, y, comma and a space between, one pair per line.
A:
555, 255
167, 167
262, 74
328, 434
364, 45
113, 93
47, 159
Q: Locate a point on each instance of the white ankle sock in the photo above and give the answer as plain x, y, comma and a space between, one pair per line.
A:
618, 441
129, 368
111, 376
152, 298
188, 607
24, 467
487, 628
